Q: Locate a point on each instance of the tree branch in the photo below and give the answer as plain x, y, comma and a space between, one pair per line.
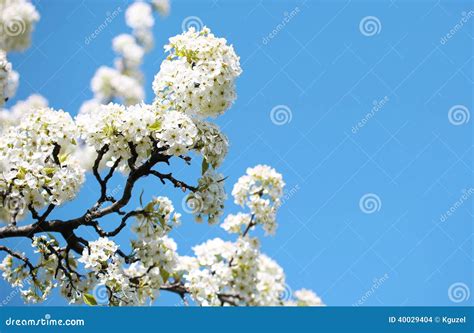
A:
177, 183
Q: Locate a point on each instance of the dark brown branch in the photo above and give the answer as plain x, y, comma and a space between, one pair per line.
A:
66, 228
114, 232
180, 289
95, 170
40, 218
177, 183
249, 226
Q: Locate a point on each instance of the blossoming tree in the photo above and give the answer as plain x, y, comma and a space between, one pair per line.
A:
46, 156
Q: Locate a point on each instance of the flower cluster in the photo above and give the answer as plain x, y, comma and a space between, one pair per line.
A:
234, 223
232, 272
8, 79
14, 115
98, 253
37, 282
36, 165
125, 81
211, 143
198, 76
177, 132
139, 15
260, 190
130, 52
305, 297
159, 252
157, 218
17, 21
162, 6
140, 125
209, 199
109, 83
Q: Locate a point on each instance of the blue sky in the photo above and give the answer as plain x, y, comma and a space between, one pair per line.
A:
327, 69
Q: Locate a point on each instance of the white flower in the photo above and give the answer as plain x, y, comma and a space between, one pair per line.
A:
305, 297
235, 223
260, 190
162, 6
211, 142
14, 116
270, 282
36, 165
139, 16
109, 83
209, 199
198, 76
158, 219
177, 132
126, 46
96, 255
8, 78
159, 252
17, 19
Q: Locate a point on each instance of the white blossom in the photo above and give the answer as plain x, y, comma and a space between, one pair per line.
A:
32, 171
139, 16
108, 83
198, 75
211, 142
8, 79
209, 199
162, 6
97, 254
157, 219
14, 115
260, 190
17, 21
126, 46
234, 223
305, 297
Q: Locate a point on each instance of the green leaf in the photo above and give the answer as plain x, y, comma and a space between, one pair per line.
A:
89, 299
110, 130
49, 171
156, 126
204, 166
21, 173
150, 207
165, 275
63, 158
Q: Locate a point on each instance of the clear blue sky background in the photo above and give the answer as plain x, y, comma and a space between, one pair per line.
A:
328, 74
